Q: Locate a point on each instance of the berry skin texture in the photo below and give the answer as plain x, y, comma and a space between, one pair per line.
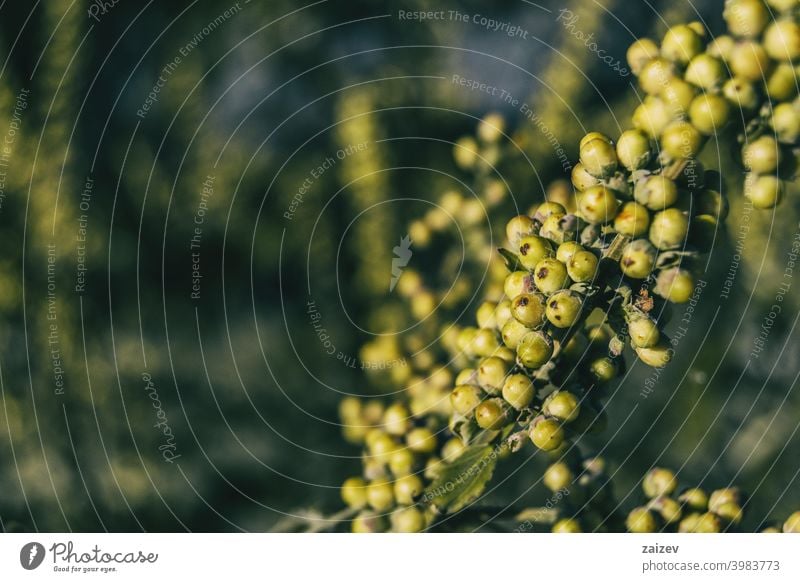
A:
564, 308
786, 122
354, 492
669, 509
782, 40
582, 267
655, 74
567, 525
669, 229
519, 227
695, 499
792, 524
657, 356
675, 285
599, 157
529, 309
485, 342
547, 434
678, 95
681, 44
491, 414
604, 369
633, 149
659, 482
518, 391
700, 523
763, 191
452, 449
485, 315
533, 249
465, 398
643, 332
380, 495
640, 53
407, 520
709, 113
598, 205
558, 476
641, 520
517, 283
652, 116
513, 332
656, 192
492, 373
681, 139
567, 250
762, 155
782, 83
581, 179
401, 462
550, 275
638, 259
741, 93
563, 405
421, 440
633, 220
706, 72
535, 349
397, 419
750, 61
746, 18
407, 489
368, 522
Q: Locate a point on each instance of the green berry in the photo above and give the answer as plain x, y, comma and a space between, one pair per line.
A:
678, 95
492, 374
633, 149
407, 520
548, 209
640, 53
723, 496
421, 440
741, 93
695, 499
706, 72
582, 267
604, 369
763, 191
465, 398
380, 495
547, 434
730, 512
681, 44
368, 522
746, 18
502, 313
782, 40
659, 482
633, 220
681, 139
397, 419
652, 116
535, 349
401, 462
783, 5
599, 157
655, 74
485, 342
466, 376
656, 356
563, 405
786, 122
567, 250
491, 127
581, 179
533, 249
669, 509
518, 391
656, 192
641, 520
513, 332
675, 285
452, 449
598, 205
550, 275
782, 82
485, 314
750, 61
709, 113
762, 155
591, 136
354, 492
491, 414
564, 308
558, 476
792, 524
567, 525
669, 229
643, 332
517, 283
700, 523
529, 309
519, 227
466, 153
721, 47
380, 445
711, 202
638, 259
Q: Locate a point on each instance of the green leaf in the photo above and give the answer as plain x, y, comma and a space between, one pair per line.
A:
512, 261
461, 482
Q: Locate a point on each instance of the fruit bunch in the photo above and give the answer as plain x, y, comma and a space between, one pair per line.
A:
696, 86
693, 510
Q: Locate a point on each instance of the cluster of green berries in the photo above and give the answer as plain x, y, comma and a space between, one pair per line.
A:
692, 510
747, 78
